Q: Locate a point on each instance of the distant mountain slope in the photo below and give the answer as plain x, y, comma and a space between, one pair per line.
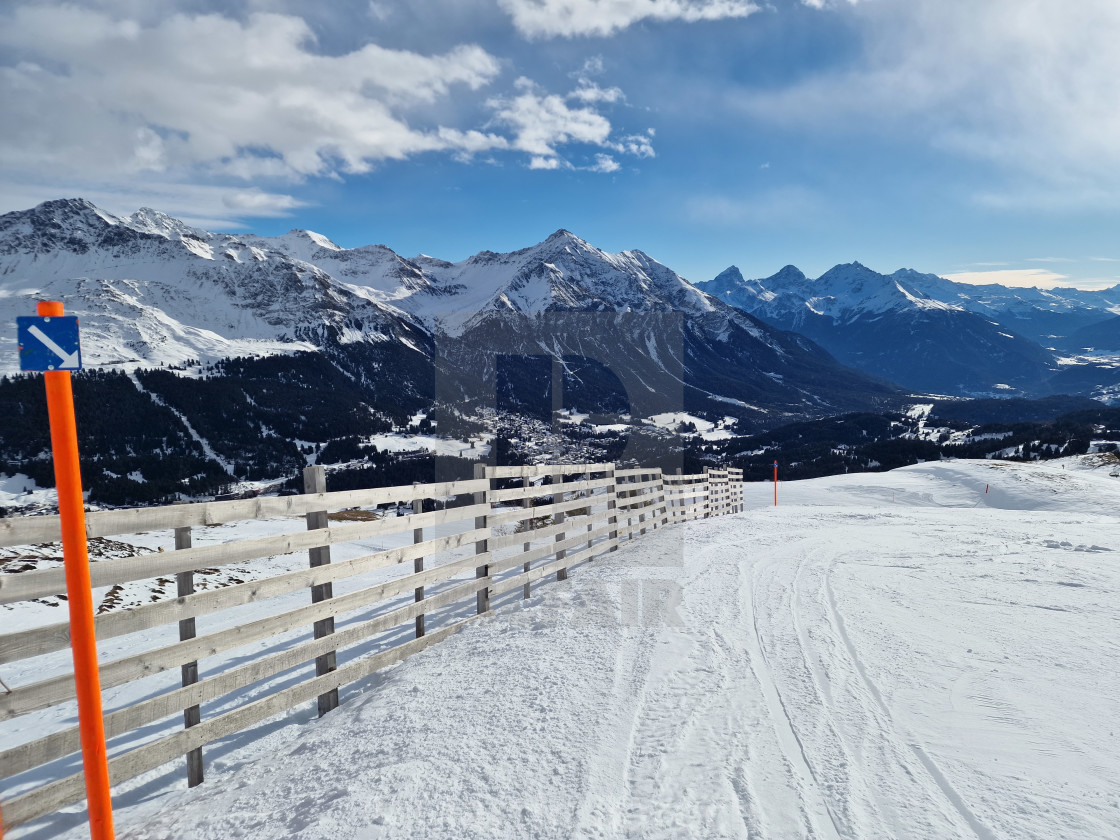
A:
152, 291
1044, 315
889, 326
664, 338
1102, 336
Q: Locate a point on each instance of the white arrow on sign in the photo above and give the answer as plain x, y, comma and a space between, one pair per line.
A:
69, 360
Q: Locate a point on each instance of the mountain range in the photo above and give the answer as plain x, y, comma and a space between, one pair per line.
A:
153, 291
215, 357
932, 335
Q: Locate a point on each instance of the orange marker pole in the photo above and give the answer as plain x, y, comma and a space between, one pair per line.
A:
79, 592
775, 484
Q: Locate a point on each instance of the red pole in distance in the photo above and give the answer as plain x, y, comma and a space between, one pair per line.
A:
79, 592
775, 484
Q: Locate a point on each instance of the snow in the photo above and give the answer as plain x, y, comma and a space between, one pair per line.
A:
672, 419
430, 443
849, 291
159, 291
21, 491
207, 449
200, 249
722, 430
570, 416
882, 655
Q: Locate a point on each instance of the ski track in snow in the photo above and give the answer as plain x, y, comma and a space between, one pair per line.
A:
207, 449
933, 668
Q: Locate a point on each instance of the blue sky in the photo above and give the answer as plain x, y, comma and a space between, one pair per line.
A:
944, 135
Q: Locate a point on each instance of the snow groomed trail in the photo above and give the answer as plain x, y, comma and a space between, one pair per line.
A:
899, 655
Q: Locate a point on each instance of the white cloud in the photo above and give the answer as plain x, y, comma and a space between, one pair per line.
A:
605, 163
638, 145
587, 90
259, 203
593, 66
590, 92
113, 97
537, 162
160, 101
1027, 86
541, 122
569, 18
824, 4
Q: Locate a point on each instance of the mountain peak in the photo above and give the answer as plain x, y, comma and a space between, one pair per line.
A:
57, 204
147, 220
565, 237
789, 273
730, 274
315, 238
70, 224
847, 272
66, 209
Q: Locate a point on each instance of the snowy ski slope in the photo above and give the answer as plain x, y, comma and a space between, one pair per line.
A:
896, 655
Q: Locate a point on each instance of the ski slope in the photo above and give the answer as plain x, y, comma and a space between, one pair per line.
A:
896, 655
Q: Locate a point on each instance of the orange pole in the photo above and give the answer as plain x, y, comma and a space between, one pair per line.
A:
79, 592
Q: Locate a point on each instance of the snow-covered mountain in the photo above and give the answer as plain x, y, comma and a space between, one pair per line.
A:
920, 330
1049, 316
152, 290
1101, 336
664, 340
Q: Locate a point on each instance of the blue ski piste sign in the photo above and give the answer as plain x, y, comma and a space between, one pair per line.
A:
49, 343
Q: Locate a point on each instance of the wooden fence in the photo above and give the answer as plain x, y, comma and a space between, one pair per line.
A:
472, 544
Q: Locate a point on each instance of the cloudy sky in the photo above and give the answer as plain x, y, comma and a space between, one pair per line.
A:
951, 136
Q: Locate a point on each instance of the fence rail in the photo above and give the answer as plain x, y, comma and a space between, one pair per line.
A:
499, 533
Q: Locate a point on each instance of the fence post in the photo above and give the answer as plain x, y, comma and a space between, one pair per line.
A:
681, 505
629, 497
482, 598
418, 563
192, 716
641, 511
612, 509
527, 502
590, 501
558, 519
315, 481
660, 488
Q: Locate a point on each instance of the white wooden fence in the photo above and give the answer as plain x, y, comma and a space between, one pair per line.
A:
489, 538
